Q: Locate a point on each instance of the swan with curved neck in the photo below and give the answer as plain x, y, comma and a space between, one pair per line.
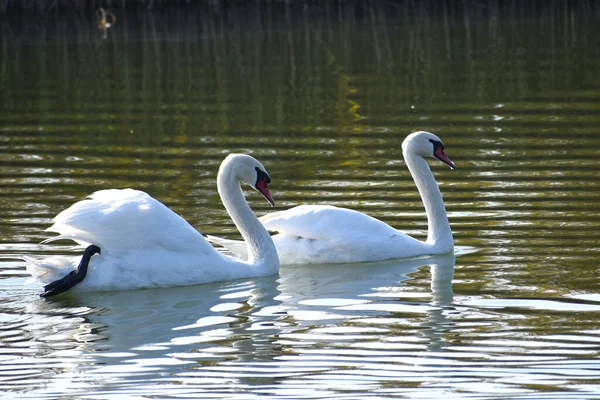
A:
135, 241
321, 234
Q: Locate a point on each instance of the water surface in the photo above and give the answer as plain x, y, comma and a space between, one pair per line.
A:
323, 97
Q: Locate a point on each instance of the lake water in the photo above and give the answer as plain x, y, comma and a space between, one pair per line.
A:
323, 96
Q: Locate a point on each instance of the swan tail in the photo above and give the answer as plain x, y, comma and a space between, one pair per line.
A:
237, 247
47, 270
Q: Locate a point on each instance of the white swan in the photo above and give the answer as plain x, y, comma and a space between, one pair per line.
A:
320, 234
142, 243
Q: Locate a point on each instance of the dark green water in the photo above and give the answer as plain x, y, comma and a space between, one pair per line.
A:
323, 97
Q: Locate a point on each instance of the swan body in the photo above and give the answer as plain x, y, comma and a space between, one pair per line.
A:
321, 234
145, 244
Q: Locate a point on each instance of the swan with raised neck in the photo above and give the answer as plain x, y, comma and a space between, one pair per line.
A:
415, 148
260, 246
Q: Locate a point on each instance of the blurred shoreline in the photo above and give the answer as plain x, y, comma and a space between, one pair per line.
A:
482, 8
325, 51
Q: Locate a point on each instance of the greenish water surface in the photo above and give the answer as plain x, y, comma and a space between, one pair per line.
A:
323, 97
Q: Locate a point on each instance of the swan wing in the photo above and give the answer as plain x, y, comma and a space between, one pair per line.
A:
325, 234
323, 222
121, 220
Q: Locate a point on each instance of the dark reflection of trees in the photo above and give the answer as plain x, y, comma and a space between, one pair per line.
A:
287, 67
290, 66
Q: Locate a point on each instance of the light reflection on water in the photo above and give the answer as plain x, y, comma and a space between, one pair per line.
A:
312, 330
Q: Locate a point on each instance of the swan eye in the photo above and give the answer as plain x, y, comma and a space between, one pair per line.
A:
437, 146
262, 175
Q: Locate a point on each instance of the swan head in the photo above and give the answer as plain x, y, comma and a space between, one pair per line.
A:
247, 169
426, 144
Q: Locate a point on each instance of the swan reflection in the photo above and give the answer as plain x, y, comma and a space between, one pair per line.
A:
214, 331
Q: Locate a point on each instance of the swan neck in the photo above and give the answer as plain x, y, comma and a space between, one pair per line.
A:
261, 249
439, 233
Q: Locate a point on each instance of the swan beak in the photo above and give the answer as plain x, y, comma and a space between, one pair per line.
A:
263, 188
440, 155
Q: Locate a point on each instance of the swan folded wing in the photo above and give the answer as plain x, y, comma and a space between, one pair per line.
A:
123, 220
326, 223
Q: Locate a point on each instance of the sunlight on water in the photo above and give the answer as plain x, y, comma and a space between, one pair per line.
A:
323, 97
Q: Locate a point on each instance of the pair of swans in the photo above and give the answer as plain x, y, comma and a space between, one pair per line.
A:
135, 241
